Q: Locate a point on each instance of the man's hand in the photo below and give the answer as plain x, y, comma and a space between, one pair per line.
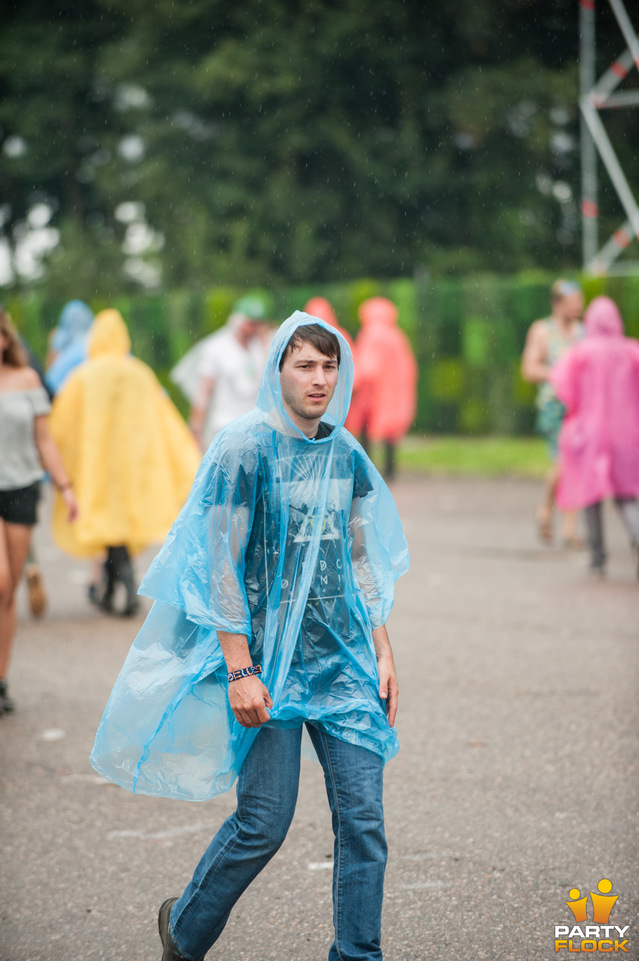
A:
388, 686
248, 697
250, 700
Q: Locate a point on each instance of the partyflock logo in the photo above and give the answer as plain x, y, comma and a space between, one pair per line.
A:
598, 935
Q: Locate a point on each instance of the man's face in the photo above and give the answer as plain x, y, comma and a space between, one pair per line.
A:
247, 330
571, 306
308, 380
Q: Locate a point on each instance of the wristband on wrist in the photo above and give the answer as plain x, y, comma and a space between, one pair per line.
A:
244, 672
65, 487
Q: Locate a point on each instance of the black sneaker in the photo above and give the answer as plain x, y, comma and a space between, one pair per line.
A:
170, 952
7, 705
100, 593
120, 570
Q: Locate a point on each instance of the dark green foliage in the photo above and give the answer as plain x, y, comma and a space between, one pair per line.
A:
295, 143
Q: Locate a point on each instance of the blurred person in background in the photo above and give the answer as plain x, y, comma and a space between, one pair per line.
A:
598, 381
27, 450
68, 344
67, 349
221, 374
32, 573
129, 454
547, 341
386, 373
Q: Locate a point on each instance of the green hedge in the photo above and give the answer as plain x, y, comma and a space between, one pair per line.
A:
467, 334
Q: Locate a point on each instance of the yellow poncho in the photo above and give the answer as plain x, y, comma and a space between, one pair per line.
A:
128, 452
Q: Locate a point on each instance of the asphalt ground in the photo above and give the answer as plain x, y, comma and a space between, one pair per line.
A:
516, 781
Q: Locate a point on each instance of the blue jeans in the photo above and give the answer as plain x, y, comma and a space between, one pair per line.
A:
248, 839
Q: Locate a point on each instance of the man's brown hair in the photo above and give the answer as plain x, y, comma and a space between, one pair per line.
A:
321, 339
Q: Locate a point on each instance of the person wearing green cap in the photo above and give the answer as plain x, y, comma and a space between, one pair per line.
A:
221, 375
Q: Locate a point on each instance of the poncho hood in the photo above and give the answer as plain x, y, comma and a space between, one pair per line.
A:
269, 398
378, 311
602, 319
75, 320
109, 336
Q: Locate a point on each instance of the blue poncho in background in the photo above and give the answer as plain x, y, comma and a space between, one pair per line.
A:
69, 341
295, 543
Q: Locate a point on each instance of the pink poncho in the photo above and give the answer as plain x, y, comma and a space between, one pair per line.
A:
598, 381
385, 398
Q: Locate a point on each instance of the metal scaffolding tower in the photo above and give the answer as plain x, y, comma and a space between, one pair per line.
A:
594, 97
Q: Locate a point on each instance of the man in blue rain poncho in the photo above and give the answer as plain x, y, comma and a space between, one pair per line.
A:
271, 595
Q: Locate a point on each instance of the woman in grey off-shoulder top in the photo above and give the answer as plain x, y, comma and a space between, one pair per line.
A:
26, 451
20, 464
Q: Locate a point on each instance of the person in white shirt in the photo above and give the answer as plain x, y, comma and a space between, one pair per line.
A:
221, 374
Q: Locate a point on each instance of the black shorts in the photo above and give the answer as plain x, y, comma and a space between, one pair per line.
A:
20, 506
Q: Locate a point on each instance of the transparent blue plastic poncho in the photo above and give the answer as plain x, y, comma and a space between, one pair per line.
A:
70, 341
295, 543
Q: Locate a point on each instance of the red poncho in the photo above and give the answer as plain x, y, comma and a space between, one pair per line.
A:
385, 397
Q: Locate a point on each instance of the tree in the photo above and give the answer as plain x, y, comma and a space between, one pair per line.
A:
54, 107
262, 143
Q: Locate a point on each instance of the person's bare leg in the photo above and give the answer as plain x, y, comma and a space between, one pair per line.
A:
14, 548
546, 509
570, 536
